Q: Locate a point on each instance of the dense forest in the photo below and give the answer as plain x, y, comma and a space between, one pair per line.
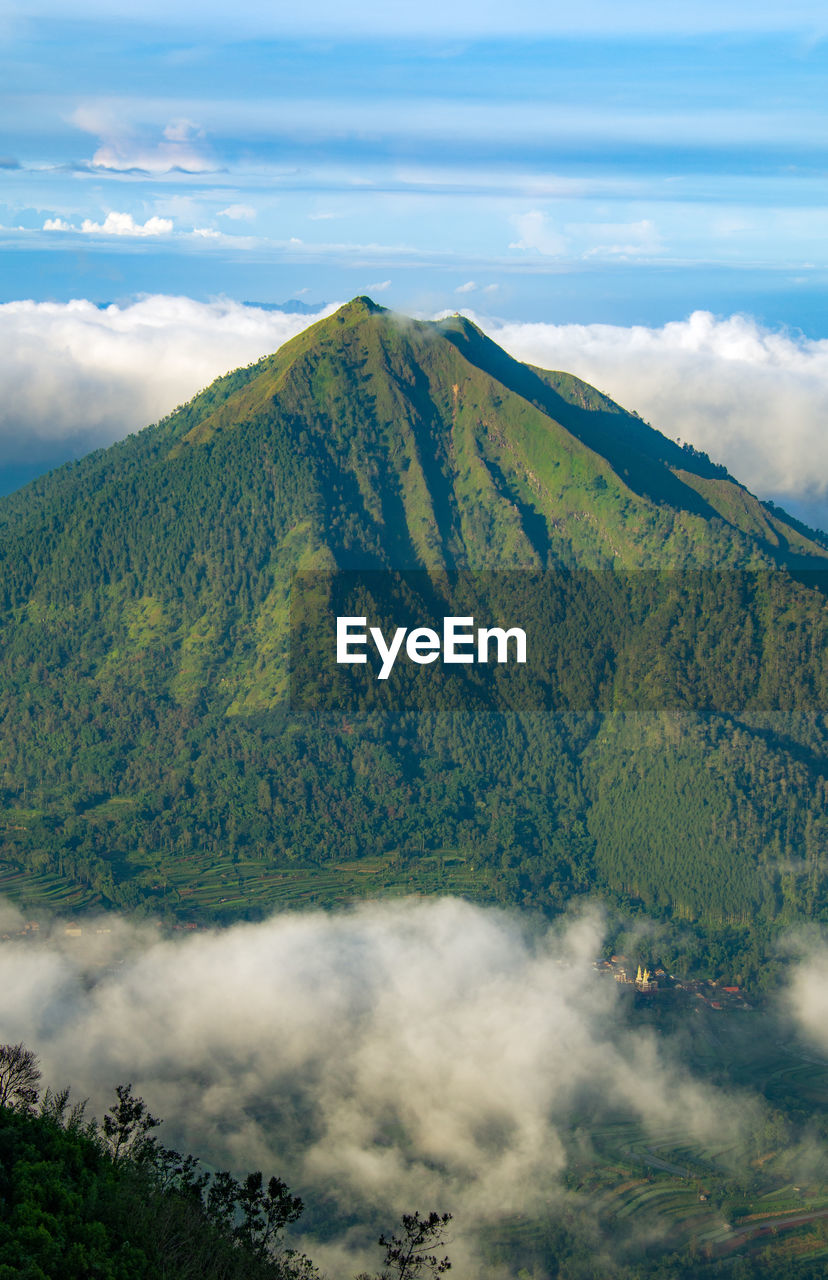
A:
674, 761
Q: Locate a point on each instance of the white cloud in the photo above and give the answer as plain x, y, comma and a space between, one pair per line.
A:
421, 1053
181, 144
755, 399
74, 377
620, 239
536, 234
182, 131
379, 286
123, 224
808, 994
238, 212
468, 287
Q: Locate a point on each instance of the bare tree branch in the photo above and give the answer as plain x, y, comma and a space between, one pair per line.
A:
19, 1077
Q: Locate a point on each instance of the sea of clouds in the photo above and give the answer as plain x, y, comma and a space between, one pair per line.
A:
410, 1054
74, 376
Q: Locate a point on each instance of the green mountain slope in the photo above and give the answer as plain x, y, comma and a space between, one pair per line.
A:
145, 752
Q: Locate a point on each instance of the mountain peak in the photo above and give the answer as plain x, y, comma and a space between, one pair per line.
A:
360, 306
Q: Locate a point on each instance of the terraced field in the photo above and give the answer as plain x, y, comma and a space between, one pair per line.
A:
684, 1192
206, 889
45, 892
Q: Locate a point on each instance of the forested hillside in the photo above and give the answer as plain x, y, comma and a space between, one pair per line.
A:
81, 1199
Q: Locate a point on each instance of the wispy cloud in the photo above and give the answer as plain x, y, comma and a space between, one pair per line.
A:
430, 19
535, 233
586, 240
238, 212
180, 145
623, 240
807, 996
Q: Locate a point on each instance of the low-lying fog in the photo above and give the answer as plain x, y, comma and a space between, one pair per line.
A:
421, 1054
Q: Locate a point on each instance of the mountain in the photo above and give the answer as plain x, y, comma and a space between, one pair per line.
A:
293, 306
149, 755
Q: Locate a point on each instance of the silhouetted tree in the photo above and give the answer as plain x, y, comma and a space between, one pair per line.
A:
404, 1254
19, 1077
127, 1124
266, 1212
255, 1216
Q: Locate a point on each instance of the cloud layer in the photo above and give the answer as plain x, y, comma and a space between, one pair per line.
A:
410, 1054
114, 224
74, 377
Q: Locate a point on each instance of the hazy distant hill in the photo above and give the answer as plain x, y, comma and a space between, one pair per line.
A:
145, 748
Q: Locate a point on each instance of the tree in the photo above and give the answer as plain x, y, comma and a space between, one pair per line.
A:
255, 1217
19, 1077
266, 1212
127, 1124
404, 1253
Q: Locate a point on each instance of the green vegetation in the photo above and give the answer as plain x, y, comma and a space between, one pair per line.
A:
78, 1200
148, 757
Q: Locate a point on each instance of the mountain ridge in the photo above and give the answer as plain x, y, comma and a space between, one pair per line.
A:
575, 417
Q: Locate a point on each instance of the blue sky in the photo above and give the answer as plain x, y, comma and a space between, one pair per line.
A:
619, 163
599, 164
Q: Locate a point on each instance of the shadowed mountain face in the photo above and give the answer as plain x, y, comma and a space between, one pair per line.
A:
145, 593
